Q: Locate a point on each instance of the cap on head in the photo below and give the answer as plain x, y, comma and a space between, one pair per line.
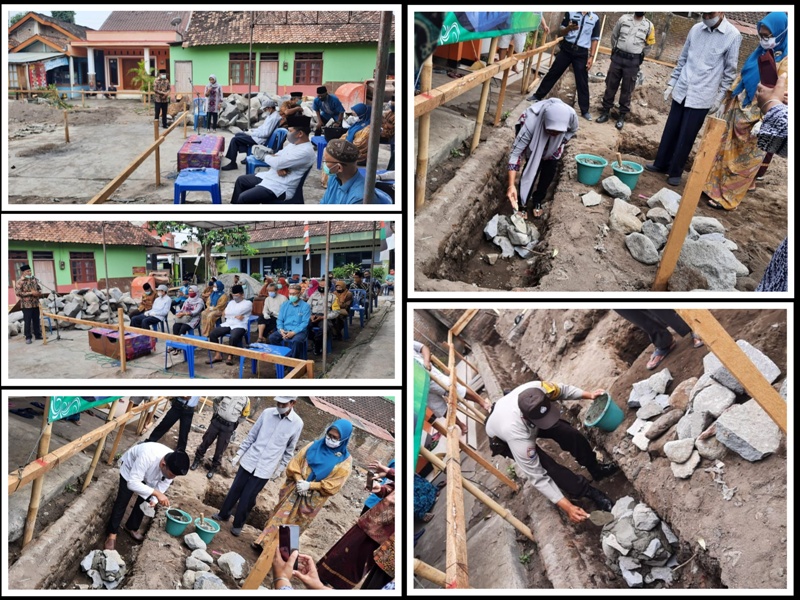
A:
322, 90
285, 399
342, 150
295, 287
268, 103
162, 288
537, 408
177, 462
24, 268
237, 289
162, 71
296, 94
300, 121
146, 286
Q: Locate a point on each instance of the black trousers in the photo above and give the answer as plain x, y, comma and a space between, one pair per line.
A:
573, 441
622, 70
161, 107
177, 412
211, 120
244, 490
546, 174
237, 335
654, 323
682, 126
220, 430
271, 324
121, 505
144, 322
240, 143
247, 191
33, 324
577, 59
181, 328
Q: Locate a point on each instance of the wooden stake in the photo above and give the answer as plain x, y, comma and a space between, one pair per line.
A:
472, 394
99, 450
501, 98
602, 26
691, 195
423, 138
36, 488
185, 125
736, 361
428, 572
123, 355
83, 99
66, 127
463, 321
157, 153
120, 431
476, 136
43, 328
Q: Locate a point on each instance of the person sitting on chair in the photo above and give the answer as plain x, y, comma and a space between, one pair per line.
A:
157, 314
242, 141
345, 183
189, 316
279, 184
293, 106
216, 304
268, 320
146, 303
293, 318
317, 301
237, 315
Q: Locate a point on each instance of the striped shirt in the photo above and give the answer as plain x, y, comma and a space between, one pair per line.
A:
707, 65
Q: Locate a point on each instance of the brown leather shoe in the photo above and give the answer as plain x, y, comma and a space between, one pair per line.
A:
138, 537
110, 543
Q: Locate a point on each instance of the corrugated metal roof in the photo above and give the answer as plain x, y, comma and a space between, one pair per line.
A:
18, 58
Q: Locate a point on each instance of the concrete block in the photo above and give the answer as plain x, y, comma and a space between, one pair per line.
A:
749, 431
768, 369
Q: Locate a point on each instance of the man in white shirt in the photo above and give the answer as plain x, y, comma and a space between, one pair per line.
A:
182, 410
157, 314
242, 141
237, 320
263, 454
268, 321
146, 470
278, 185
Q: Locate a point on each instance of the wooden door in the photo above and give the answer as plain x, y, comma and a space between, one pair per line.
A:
127, 77
268, 81
183, 77
45, 271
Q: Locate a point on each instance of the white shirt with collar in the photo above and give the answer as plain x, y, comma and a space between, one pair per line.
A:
297, 159
235, 309
140, 467
270, 445
263, 133
161, 306
272, 306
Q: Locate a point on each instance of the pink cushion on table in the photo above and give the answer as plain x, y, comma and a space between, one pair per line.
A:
201, 151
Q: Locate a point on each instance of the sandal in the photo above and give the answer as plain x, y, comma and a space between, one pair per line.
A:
696, 341
537, 211
658, 356
229, 361
427, 518
213, 359
714, 204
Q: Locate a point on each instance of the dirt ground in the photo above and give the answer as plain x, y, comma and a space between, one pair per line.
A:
575, 254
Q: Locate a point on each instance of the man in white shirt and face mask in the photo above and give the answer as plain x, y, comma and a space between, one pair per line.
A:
157, 314
236, 321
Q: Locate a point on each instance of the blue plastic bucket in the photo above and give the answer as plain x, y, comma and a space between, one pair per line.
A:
208, 531
604, 414
629, 178
177, 521
589, 174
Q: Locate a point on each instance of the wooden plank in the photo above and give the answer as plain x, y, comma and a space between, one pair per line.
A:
479, 459
691, 196
473, 395
158, 153
471, 412
423, 138
736, 361
260, 569
463, 321
118, 439
428, 572
476, 135
99, 450
463, 359
36, 488
500, 99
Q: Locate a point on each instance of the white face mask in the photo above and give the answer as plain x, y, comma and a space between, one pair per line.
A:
711, 22
283, 410
768, 44
332, 443
163, 77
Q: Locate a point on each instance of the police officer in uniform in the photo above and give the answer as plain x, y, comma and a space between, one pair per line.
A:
630, 41
228, 413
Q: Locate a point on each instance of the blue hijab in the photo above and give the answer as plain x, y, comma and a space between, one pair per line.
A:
777, 23
322, 459
215, 295
364, 113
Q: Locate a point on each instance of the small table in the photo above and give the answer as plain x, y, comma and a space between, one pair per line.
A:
201, 151
265, 349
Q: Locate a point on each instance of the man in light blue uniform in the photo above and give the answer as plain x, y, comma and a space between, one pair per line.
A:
293, 318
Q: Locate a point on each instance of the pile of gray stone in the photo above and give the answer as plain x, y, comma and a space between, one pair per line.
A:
105, 567
701, 419
198, 574
638, 545
512, 234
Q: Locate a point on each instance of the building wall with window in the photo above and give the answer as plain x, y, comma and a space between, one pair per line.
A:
307, 66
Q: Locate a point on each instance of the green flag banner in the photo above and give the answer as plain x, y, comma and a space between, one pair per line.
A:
422, 382
467, 26
64, 406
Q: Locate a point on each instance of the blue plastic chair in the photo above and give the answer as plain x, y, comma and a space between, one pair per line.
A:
382, 197
199, 112
359, 305
317, 331
162, 326
320, 142
265, 349
188, 351
49, 324
303, 348
201, 180
298, 194
276, 141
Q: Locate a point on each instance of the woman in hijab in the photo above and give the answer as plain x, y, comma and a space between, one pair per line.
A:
189, 315
314, 475
543, 130
739, 158
264, 291
216, 303
312, 287
213, 102
358, 133
342, 299
283, 286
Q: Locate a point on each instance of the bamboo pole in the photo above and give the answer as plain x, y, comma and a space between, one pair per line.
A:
482, 497
597, 48
528, 63
480, 459
473, 414
689, 199
43, 329
118, 439
123, 355
423, 138
66, 127
476, 136
428, 572
101, 444
475, 397
463, 359
157, 153
185, 125
36, 488
501, 98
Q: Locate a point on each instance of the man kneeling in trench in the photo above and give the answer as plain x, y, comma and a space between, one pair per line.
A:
528, 412
146, 470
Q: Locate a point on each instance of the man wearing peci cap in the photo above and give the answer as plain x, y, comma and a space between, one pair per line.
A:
146, 470
244, 140
235, 323
145, 303
345, 182
161, 91
279, 184
263, 454
327, 106
529, 412
158, 313
28, 292
292, 106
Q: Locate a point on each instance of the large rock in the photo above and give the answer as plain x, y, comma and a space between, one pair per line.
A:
660, 573
632, 578
196, 565
719, 238
662, 424
116, 293
591, 199
194, 541
623, 506
92, 309
188, 579
640, 440
72, 309
656, 232
614, 186
644, 517
692, 424
505, 245
641, 394
713, 367
233, 564
715, 262
711, 448
91, 298
700, 384
680, 450
714, 399
660, 216
623, 218
204, 556
685, 470
749, 431
660, 381
649, 409
490, 231
707, 225
517, 238
208, 581
642, 248
667, 199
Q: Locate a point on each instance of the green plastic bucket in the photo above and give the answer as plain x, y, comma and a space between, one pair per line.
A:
604, 414
206, 534
629, 178
589, 174
177, 521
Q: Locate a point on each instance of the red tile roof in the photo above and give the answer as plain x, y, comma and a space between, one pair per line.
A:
265, 232
209, 28
146, 20
118, 233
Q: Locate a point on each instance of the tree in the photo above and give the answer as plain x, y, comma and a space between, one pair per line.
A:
142, 76
16, 18
209, 239
68, 16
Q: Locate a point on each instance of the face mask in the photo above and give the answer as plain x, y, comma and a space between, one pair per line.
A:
338, 289
294, 299
299, 101
149, 293
711, 22
192, 294
163, 77
282, 410
272, 294
28, 276
160, 294
332, 443
325, 169
770, 43
238, 298
280, 286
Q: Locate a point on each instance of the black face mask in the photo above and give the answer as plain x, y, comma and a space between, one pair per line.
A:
638, 15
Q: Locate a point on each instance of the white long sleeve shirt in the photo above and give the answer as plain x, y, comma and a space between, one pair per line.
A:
297, 159
272, 306
235, 309
140, 467
161, 306
263, 133
506, 423
270, 445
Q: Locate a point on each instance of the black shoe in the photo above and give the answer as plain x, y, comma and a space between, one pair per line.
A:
28, 341
229, 167
603, 470
218, 517
195, 465
602, 118
39, 338
652, 168
620, 123
674, 181
587, 115
243, 162
601, 501
211, 472
534, 98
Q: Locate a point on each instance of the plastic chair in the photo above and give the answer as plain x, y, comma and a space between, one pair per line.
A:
303, 348
359, 305
199, 111
276, 141
318, 331
382, 197
320, 142
298, 194
188, 351
49, 324
162, 326
201, 180
265, 349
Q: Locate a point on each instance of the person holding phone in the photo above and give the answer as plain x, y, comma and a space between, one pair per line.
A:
313, 476
382, 474
739, 158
